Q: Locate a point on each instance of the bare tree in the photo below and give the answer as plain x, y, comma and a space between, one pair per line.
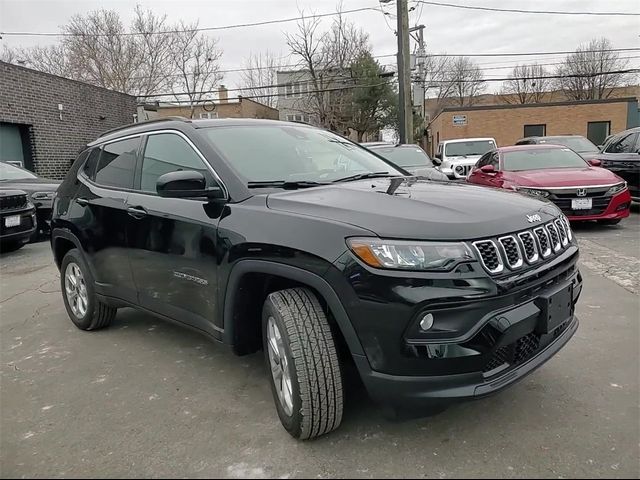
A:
325, 59
261, 69
464, 81
585, 74
526, 84
142, 60
196, 60
9, 55
155, 51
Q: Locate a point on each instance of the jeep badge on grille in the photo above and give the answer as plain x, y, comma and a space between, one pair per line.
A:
534, 218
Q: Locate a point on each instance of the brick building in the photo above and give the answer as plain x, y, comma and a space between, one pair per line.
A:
594, 119
221, 108
45, 120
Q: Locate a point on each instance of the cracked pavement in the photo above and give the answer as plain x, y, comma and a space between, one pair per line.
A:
146, 398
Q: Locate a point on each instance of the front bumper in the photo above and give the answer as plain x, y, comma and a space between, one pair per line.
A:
21, 232
604, 208
487, 332
425, 391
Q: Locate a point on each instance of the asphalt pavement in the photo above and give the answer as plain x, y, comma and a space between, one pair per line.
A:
146, 398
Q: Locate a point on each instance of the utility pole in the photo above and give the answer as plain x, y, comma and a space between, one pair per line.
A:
419, 88
405, 113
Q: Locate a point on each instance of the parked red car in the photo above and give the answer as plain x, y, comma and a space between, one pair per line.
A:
581, 189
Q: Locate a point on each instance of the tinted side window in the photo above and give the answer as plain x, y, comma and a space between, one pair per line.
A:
89, 167
117, 163
167, 152
622, 145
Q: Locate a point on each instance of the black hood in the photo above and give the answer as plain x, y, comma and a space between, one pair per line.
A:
409, 209
31, 185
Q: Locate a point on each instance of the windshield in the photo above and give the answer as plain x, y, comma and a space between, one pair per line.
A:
579, 144
472, 147
9, 172
405, 156
539, 158
263, 153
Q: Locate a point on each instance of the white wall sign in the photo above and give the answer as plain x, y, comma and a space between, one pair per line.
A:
459, 119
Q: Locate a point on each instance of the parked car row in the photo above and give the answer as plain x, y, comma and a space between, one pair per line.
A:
584, 181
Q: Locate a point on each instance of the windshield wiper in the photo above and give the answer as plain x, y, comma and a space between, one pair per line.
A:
285, 184
361, 176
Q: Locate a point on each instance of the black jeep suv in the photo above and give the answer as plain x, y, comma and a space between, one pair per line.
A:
291, 239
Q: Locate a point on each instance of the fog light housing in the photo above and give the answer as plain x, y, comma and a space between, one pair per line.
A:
623, 206
426, 322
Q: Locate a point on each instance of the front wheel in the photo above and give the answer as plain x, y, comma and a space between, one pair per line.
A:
300, 353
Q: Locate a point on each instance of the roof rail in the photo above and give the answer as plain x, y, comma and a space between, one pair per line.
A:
154, 120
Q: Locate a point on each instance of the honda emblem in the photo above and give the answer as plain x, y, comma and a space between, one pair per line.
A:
582, 192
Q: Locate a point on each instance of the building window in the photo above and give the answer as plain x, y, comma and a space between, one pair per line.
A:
597, 132
298, 117
209, 115
535, 130
296, 89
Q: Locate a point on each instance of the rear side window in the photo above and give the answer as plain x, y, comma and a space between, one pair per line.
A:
89, 167
168, 152
624, 144
117, 164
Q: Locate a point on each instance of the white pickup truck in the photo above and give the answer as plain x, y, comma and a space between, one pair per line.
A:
457, 157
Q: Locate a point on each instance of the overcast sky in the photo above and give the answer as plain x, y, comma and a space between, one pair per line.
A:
448, 29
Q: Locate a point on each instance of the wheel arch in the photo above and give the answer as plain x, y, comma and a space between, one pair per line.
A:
267, 275
64, 240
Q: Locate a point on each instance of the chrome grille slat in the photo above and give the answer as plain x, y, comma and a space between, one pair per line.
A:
489, 255
561, 230
543, 241
554, 236
512, 251
529, 246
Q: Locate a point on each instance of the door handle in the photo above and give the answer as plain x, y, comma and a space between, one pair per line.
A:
137, 212
82, 201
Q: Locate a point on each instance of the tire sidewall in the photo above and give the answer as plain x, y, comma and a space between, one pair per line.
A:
292, 423
74, 256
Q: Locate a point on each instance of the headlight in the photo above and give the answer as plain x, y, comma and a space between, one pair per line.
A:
407, 255
532, 191
43, 195
616, 189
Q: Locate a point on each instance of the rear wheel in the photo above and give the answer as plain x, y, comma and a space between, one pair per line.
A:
84, 308
301, 356
610, 222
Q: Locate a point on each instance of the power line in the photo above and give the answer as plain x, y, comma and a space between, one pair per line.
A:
502, 67
199, 29
266, 95
516, 10
542, 77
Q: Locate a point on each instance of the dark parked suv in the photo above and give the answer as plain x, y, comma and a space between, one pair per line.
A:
291, 239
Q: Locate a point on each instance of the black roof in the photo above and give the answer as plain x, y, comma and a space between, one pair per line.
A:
179, 123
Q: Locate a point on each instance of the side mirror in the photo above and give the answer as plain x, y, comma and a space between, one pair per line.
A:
436, 161
186, 184
594, 162
488, 169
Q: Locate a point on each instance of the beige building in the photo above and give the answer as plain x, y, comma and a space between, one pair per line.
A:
221, 108
594, 119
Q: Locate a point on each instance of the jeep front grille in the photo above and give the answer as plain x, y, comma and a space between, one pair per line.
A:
13, 202
530, 246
